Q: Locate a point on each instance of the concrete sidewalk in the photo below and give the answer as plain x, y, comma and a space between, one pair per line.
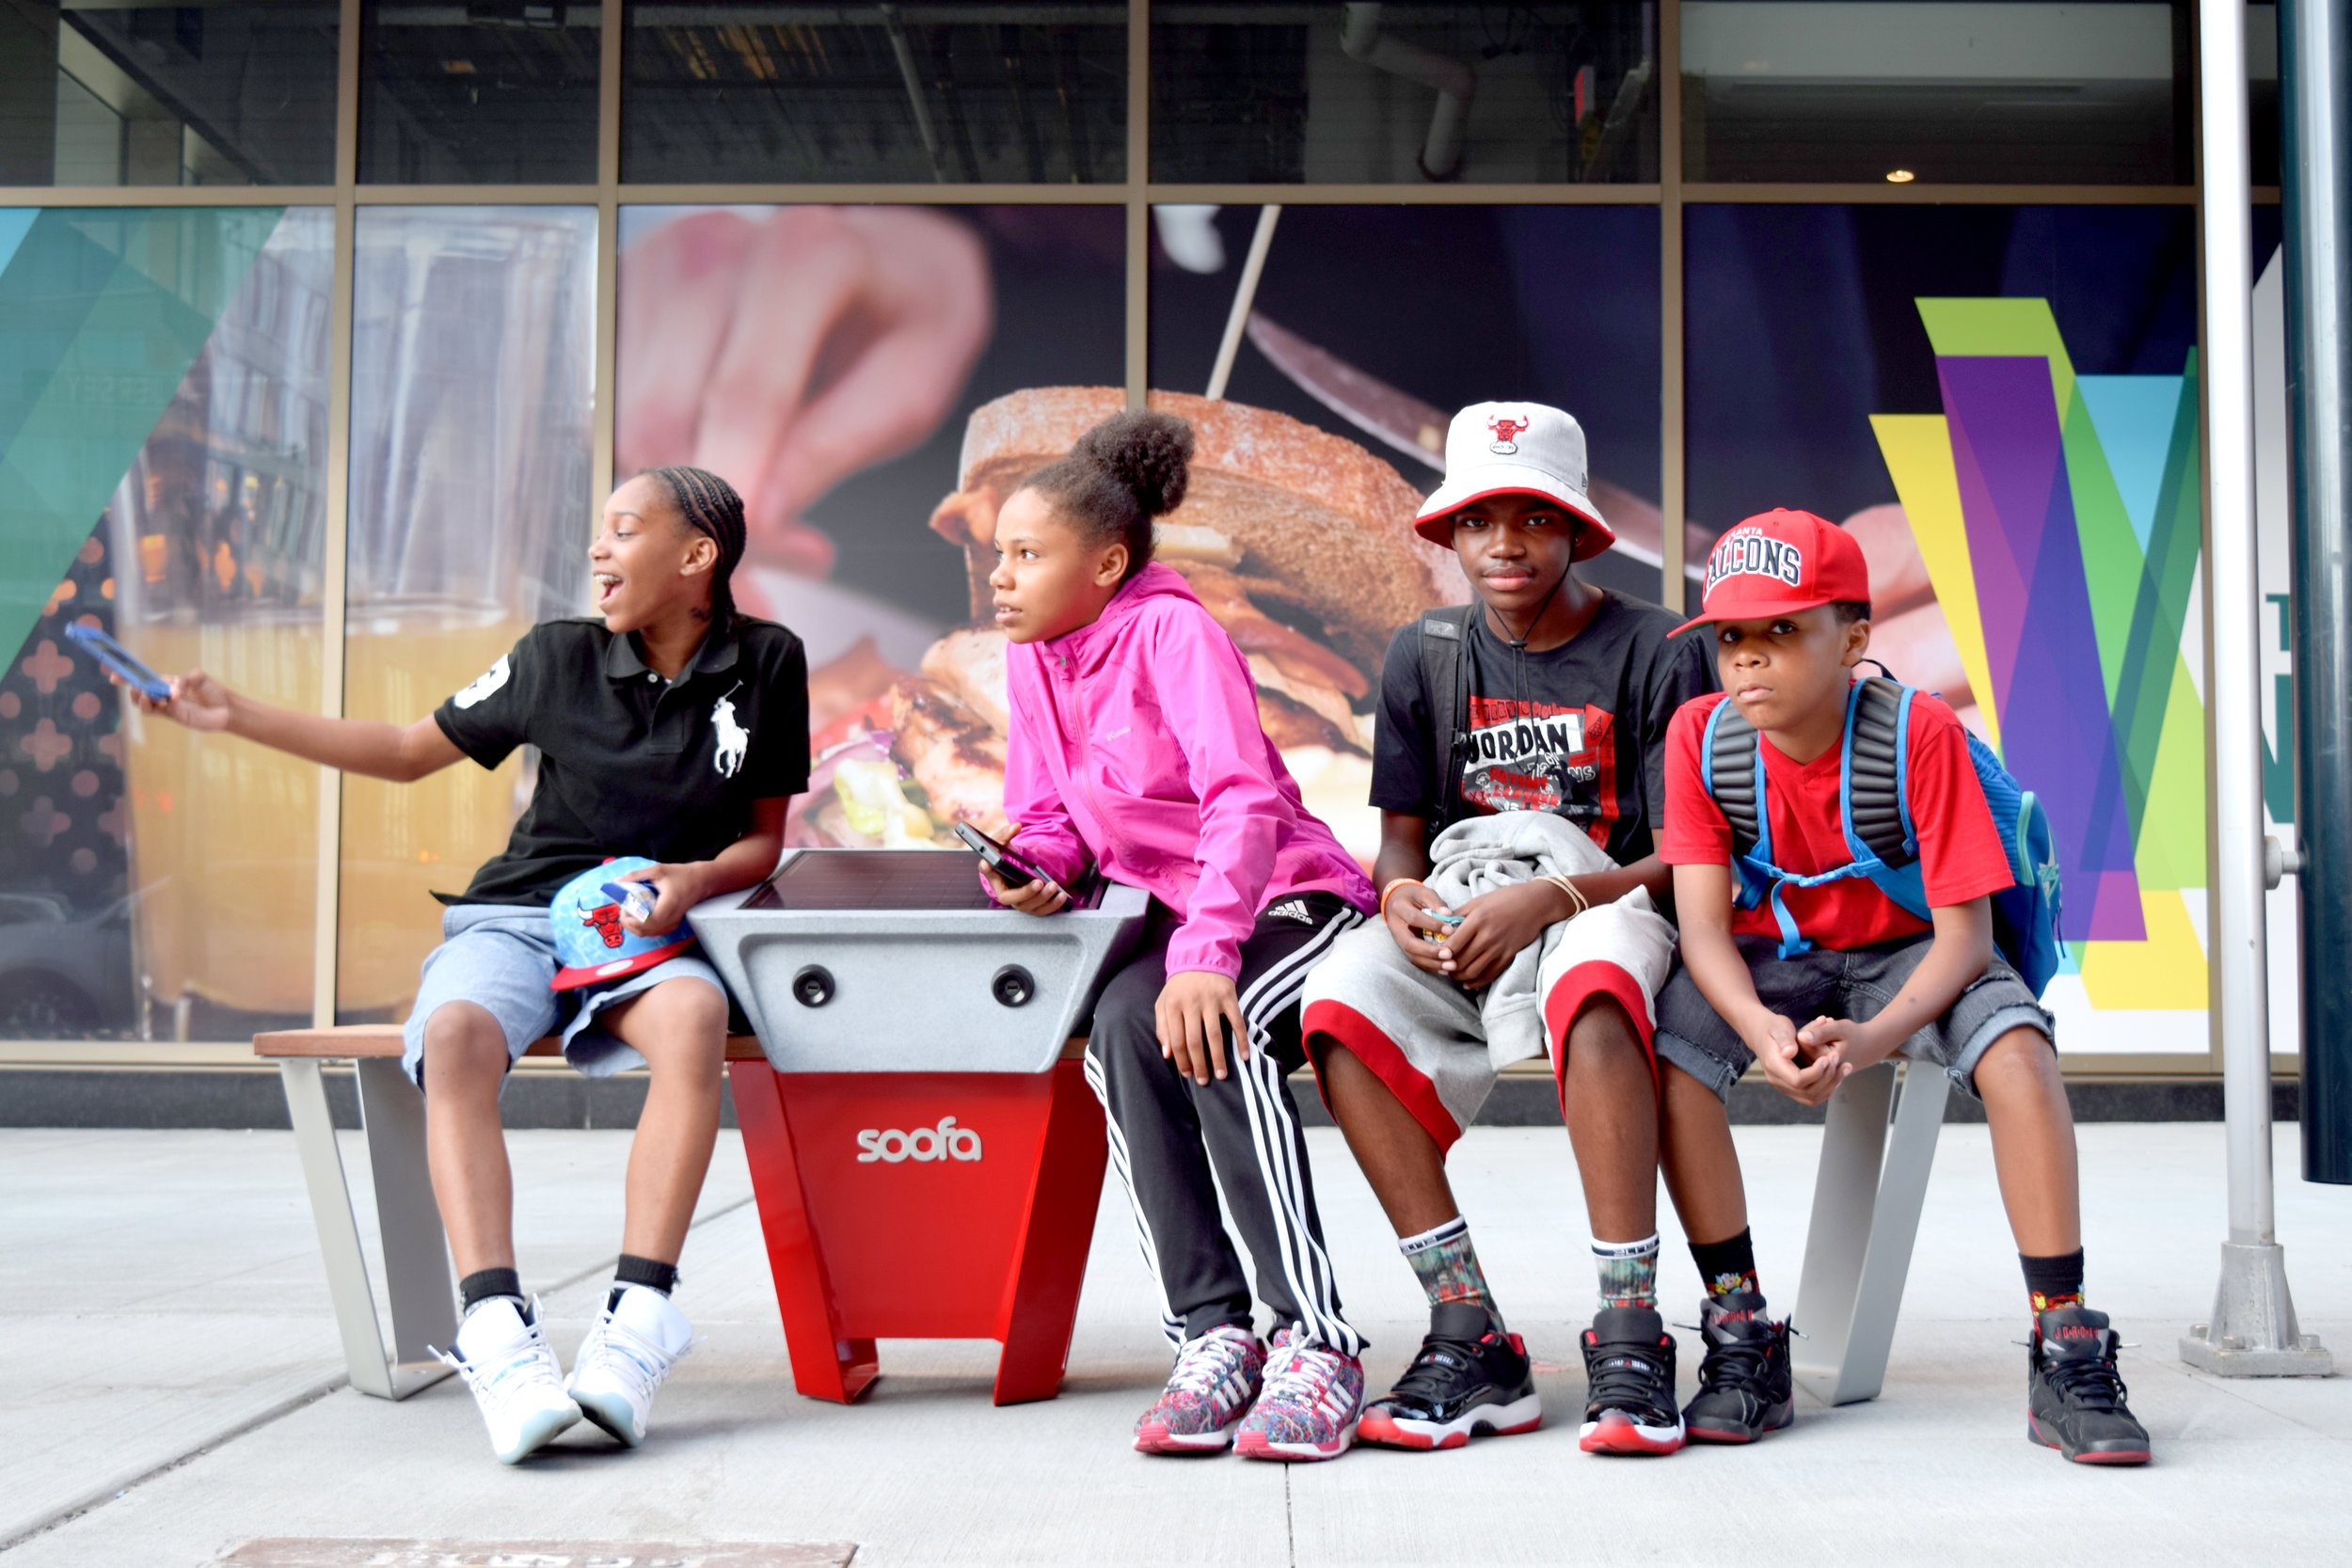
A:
169, 1338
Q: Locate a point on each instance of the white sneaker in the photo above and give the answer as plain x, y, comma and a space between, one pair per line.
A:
503, 1355
621, 1364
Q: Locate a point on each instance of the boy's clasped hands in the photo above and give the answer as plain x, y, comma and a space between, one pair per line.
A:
1808, 1063
1472, 944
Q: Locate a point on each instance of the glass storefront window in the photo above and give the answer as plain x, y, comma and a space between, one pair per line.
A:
162, 477
1348, 94
472, 360
1949, 92
494, 94
234, 94
746, 90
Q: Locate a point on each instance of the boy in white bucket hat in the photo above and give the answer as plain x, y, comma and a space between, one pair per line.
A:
1520, 772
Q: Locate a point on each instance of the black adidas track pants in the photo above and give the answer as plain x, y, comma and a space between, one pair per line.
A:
1176, 1145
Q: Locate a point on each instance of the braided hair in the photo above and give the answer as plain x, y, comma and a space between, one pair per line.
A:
710, 506
1120, 474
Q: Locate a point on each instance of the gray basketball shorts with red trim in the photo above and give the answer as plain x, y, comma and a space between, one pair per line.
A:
1428, 1039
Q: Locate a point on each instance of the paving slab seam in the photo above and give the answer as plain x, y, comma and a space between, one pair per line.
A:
121, 1486
110, 1490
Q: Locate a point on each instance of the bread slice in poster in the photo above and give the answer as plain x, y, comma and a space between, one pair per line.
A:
1298, 543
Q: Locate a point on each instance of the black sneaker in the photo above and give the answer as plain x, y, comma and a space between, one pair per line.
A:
1630, 1369
1470, 1377
1744, 1388
2073, 1397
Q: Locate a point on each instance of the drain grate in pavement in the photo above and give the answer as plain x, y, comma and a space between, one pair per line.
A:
329, 1552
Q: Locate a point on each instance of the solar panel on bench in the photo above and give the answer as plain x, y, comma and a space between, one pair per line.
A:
874, 879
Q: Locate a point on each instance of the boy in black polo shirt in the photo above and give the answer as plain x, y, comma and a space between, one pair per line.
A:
671, 728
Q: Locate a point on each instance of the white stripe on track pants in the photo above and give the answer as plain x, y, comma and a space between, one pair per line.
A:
1176, 1145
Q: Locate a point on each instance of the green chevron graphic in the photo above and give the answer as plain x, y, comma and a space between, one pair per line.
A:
102, 312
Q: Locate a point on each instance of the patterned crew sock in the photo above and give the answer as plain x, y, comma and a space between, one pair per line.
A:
1447, 1265
1628, 1271
1727, 1265
2053, 1281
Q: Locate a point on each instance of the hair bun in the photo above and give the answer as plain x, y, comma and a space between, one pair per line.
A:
1147, 452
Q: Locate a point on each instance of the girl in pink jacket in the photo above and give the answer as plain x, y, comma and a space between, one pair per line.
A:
1135, 747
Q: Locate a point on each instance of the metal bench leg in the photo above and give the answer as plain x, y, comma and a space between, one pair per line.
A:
1866, 1197
339, 1232
416, 1282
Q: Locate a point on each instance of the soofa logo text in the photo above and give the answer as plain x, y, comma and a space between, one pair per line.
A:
944, 1142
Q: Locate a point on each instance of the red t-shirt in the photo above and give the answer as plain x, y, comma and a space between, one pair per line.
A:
1961, 856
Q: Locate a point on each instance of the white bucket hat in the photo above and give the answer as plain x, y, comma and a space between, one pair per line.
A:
1503, 449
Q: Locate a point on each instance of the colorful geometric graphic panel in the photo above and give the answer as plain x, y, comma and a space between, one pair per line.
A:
2058, 517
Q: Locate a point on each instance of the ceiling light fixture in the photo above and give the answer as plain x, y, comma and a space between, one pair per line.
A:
1900, 176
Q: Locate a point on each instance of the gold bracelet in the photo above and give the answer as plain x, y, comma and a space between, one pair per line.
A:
1395, 882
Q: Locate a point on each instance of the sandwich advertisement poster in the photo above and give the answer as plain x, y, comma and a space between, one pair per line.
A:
1998, 402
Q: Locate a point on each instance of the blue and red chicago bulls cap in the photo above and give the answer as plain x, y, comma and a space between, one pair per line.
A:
1514, 449
1778, 562
590, 942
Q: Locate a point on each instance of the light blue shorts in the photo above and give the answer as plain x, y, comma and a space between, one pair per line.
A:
500, 958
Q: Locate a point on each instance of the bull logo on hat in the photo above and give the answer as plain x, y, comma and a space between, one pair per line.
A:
1504, 428
607, 921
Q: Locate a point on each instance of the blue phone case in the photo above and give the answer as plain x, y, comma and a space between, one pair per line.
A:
123, 662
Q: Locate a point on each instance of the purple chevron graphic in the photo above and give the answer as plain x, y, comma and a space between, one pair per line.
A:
2057, 734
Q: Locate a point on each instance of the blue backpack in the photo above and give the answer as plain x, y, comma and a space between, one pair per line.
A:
1874, 804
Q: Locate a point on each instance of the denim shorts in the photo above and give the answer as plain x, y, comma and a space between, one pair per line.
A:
500, 958
1858, 985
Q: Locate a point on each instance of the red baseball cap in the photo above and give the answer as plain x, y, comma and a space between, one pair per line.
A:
1778, 562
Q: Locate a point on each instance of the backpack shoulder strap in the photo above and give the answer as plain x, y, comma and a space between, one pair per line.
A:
1445, 690
1732, 771
1874, 794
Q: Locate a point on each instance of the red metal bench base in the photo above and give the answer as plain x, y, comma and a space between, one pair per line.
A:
923, 1206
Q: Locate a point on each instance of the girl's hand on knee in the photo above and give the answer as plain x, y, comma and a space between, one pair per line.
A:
1193, 1006
676, 890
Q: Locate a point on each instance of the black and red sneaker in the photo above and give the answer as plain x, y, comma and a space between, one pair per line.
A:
1745, 1386
1469, 1378
1630, 1369
2074, 1395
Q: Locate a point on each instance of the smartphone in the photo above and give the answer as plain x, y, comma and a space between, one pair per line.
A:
121, 661
634, 898
1000, 857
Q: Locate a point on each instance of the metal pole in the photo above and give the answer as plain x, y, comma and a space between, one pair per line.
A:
2252, 1332
2313, 39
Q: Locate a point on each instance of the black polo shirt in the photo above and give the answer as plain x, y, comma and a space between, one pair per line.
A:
630, 764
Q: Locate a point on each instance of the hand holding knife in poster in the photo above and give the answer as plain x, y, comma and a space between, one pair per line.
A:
1408, 425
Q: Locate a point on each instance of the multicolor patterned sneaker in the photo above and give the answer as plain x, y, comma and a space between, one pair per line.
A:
1312, 1397
1215, 1378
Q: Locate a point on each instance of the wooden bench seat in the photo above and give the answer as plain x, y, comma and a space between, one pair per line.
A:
367, 1041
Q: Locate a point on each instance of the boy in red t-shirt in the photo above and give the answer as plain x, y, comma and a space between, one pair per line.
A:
1789, 597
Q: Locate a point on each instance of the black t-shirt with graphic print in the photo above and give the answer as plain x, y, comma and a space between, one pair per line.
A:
1579, 730
630, 764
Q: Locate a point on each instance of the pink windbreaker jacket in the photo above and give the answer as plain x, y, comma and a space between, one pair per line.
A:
1136, 744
